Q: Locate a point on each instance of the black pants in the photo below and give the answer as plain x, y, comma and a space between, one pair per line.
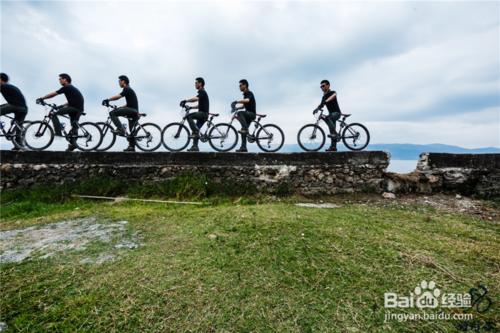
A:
74, 116
245, 118
201, 118
331, 121
19, 112
132, 116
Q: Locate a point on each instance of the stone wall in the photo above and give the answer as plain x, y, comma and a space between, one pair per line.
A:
469, 174
305, 173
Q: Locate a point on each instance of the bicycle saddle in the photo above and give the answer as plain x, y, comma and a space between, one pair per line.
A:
82, 113
345, 115
142, 115
214, 114
261, 115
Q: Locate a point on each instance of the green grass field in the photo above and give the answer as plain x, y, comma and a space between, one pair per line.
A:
248, 265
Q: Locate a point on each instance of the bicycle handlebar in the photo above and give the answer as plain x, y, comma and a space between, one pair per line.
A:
42, 102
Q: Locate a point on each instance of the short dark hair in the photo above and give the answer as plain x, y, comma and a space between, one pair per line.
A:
4, 77
325, 82
200, 80
66, 77
124, 78
245, 82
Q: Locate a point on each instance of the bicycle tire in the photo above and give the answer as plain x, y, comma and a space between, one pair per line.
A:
348, 145
322, 140
149, 128
229, 128
33, 125
107, 132
262, 147
88, 127
182, 128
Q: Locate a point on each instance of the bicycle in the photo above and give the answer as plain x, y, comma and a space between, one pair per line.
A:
10, 134
269, 137
311, 137
143, 134
221, 137
39, 134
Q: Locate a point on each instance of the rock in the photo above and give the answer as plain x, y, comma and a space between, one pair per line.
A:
388, 195
212, 236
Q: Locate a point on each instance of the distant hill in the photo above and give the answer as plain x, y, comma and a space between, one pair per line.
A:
408, 151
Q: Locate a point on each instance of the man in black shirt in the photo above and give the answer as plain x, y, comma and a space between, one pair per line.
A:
247, 116
16, 104
130, 110
330, 100
73, 108
201, 116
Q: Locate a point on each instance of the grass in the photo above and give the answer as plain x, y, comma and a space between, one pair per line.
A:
250, 265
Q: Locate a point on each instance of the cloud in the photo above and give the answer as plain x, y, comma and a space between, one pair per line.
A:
411, 71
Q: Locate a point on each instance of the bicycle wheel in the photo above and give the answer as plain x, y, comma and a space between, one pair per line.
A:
270, 138
175, 136
89, 136
147, 137
38, 135
311, 137
355, 136
108, 137
223, 137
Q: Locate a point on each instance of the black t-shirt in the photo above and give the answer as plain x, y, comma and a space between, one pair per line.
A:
73, 95
203, 103
250, 106
130, 97
13, 95
332, 106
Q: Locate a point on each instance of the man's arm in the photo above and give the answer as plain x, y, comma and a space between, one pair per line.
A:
50, 95
331, 98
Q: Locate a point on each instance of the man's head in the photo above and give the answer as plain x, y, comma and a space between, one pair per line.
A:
123, 81
4, 78
243, 85
325, 85
199, 83
64, 79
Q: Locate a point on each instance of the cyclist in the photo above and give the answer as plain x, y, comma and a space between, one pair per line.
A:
330, 100
201, 115
73, 108
247, 116
130, 110
16, 104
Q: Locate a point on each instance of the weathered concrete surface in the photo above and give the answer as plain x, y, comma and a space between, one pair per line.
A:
470, 174
307, 173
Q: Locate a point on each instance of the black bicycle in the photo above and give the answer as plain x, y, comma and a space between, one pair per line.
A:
15, 132
147, 136
355, 136
222, 137
39, 134
269, 137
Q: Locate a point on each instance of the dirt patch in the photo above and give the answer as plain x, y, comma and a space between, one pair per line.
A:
40, 242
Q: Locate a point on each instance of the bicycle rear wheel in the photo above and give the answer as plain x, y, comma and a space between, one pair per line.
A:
311, 137
38, 135
175, 136
108, 137
89, 136
355, 136
147, 137
270, 138
223, 137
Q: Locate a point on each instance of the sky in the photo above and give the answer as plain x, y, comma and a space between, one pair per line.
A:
412, 72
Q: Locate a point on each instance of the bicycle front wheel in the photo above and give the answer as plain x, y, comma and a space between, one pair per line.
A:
88, 137
223, 137
175, 137
147, 137
270, 138
108, 137
355, 136
38, 135
311, 137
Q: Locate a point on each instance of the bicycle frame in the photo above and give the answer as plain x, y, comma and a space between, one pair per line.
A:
256, 123
209, 123
128, 134
321, 117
